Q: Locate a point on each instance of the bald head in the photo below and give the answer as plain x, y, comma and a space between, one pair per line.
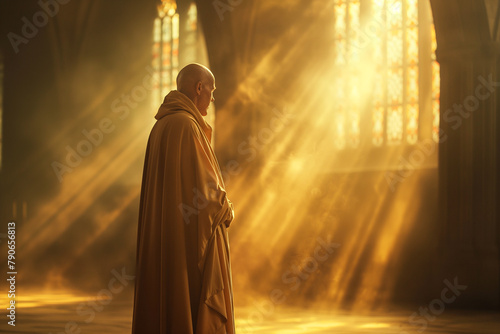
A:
190, 75
198, 83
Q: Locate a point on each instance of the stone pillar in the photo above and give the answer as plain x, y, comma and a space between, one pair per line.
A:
469, 150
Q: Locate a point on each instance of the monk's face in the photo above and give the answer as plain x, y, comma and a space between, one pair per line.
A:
206, 95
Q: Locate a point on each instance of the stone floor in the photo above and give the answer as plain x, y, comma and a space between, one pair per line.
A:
116, 317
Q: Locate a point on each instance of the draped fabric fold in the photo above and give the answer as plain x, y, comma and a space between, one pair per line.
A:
183, 271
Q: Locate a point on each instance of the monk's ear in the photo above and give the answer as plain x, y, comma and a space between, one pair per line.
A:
198, 87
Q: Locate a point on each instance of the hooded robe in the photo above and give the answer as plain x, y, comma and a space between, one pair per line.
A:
183, 273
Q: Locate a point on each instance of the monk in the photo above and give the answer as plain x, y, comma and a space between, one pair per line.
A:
183, 272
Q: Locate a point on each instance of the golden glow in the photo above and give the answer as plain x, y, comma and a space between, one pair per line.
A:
56, 297
307, 321
297, 196
375, 325
296, 166
116, 318
286, 196
167, 7
78, 204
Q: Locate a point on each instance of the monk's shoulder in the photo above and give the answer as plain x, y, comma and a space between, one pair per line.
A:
179, 118
179, 121
182, 123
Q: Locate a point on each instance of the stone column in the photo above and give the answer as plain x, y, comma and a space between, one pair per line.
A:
469, 150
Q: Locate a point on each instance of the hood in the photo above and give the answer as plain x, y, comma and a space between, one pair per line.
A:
176, 102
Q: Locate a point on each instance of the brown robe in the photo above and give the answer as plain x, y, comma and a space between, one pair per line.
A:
183, 273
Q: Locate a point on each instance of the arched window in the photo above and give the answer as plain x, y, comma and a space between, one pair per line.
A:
165, 50
177, 41
190, 43
388, 77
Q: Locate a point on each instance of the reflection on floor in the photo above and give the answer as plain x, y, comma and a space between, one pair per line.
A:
58, 316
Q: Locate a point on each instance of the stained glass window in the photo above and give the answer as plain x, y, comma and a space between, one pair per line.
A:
394, 30
170, 53
347, 15
194, 50
394, 65
191, 34
379, 92
156, 63
175, 51
165, 61
399, 62
411, 67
